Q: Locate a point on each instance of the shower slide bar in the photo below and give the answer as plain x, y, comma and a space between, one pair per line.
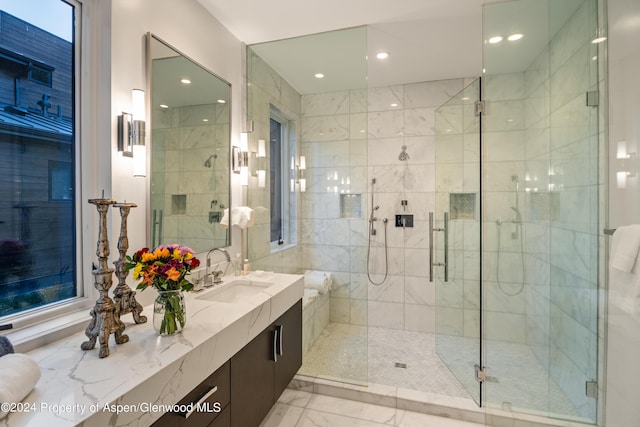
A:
444, 264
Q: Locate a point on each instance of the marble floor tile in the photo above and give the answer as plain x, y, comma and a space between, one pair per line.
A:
351, 408
282, 416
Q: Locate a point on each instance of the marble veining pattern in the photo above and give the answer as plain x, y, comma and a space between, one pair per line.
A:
148, 369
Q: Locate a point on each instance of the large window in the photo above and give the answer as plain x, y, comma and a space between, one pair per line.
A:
282, 151
37, 155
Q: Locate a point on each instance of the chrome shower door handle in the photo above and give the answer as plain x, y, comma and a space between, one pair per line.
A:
430, 246
444, 264
446, 246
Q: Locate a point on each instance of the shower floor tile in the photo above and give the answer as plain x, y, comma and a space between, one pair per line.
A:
370, 355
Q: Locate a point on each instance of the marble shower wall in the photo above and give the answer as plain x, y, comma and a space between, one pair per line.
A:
183, 188
539, 130
266, 88
349, 138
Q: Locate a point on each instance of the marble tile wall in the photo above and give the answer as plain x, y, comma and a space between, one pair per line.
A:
553, 149
182, 142
266, 88
349, 138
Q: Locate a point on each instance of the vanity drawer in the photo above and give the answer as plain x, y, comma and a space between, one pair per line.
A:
207, 401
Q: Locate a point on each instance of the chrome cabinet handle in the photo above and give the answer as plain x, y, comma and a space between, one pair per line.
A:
195, 407
275, 345
279, 330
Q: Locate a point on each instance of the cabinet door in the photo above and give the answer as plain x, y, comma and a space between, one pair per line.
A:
224, 419
206, 400
288, 328
252, 381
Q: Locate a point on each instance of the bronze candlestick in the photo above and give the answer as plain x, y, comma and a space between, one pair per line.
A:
103, 320
124, 296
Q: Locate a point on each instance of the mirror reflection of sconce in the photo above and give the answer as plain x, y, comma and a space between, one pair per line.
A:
626, 164
259, 169
240, 159
131, 134
297, 169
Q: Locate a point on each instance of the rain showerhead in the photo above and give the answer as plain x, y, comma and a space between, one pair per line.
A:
404, 156
207, 163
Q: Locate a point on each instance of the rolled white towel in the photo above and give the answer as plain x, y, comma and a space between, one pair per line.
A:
242, 216
309, 295
224, 222
319, 280
18, 375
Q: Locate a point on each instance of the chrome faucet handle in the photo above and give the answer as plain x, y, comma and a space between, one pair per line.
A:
217, 276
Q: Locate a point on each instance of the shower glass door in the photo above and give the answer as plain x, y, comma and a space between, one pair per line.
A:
540, 204
455, 237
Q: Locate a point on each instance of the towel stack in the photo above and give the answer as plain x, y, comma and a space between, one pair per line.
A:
18, 375
241, 216
318, 280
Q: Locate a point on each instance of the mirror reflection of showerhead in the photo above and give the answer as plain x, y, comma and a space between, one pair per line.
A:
403, 156
207, 163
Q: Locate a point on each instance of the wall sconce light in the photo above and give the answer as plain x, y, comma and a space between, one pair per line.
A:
261, 163
240, 159
131, 134
297, 169
627, 164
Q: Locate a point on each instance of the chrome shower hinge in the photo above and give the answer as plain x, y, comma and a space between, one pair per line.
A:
479, 108
591, 389
479, 374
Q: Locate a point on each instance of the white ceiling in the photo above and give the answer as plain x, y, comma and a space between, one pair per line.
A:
427, 39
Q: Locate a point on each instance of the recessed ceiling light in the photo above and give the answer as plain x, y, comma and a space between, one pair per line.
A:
205, 120
221, 101
394, 105
598, 40
382, 55
319, 76
594, 58
164, 106
514, 37
496, 39
185, 81
465, 98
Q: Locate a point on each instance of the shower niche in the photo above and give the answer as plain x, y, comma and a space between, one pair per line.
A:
462, 205
350, 206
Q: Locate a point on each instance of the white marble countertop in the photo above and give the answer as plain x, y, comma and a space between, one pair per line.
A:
77, 387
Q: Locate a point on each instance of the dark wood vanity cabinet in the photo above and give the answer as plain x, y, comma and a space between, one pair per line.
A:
206, 405
242, 391
263, 368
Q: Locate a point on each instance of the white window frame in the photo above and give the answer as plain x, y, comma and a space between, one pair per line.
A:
287, 175
42, 325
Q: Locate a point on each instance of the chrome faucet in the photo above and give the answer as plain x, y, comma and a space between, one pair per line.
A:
217, 275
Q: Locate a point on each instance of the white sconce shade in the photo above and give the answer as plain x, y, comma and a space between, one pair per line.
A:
303, 185
244, 176
139, 160
139, 148
137, 98
303, 162
262, 178
244, 141
262, 152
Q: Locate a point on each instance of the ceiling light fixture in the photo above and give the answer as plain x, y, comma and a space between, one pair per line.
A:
514, 37
495, 39
185, 81
382, 55
164, 106
598, 40
319, 76
221, 101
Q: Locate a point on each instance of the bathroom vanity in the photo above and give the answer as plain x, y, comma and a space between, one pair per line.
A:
241, 346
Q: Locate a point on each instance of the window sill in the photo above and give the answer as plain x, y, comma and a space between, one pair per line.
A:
279, 248
40, 334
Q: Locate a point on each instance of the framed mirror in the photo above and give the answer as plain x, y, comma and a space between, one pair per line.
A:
190, 143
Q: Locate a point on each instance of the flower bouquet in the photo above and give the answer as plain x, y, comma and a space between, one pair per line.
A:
165, 269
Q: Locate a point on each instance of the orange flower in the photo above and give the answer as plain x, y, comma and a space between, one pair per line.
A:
173, 274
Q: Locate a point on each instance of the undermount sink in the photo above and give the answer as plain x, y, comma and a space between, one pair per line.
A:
235, 291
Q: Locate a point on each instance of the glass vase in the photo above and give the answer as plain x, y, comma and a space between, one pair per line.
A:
169, 313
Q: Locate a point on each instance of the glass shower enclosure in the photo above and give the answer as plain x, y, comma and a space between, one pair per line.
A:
517, 308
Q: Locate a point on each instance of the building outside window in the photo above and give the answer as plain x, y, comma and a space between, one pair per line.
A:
38, 197
282, 149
